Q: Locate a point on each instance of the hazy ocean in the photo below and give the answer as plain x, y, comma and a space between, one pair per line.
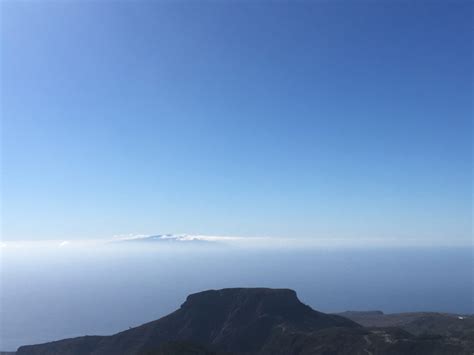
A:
53, 293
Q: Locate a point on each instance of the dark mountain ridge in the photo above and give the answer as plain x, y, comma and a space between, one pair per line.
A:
250, 321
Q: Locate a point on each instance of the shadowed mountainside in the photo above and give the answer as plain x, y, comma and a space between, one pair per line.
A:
251, 321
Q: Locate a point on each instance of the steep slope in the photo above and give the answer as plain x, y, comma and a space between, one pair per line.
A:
254, 321
235, 320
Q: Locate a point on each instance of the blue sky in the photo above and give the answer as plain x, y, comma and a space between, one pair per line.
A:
310, 119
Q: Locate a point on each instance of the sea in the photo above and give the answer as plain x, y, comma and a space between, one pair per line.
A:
53, 290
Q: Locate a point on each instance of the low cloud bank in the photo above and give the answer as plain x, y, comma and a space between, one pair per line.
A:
180, 240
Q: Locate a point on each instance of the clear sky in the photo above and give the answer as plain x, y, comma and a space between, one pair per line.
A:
311, 119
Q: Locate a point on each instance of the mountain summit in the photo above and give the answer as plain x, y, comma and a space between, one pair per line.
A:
248, 321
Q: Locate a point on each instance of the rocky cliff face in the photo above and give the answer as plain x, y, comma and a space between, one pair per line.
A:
249, 321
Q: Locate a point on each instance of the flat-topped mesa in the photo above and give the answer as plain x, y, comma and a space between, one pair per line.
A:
236, 310
262, 299
232, 320
263, 321
244, 304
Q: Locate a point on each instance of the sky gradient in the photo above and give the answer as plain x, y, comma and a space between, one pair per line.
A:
315, 119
